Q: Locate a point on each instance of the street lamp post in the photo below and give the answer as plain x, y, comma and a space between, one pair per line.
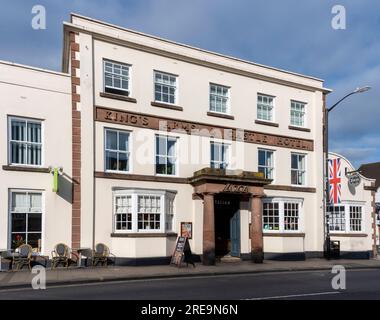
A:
327, 248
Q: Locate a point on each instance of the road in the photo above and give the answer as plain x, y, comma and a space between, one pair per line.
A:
361, 284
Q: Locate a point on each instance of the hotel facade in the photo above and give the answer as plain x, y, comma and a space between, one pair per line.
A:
156, 138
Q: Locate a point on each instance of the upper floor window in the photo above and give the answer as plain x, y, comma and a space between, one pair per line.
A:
297, 114
166, 155
265, 107
165, 87
219, 155
266, 163
298, 170
116, 78
25, 142
116, 150
219, 98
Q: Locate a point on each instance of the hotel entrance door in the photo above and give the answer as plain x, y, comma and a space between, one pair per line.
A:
227, 226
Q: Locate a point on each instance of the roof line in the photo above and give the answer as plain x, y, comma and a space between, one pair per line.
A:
14, 64
192, 47
354, 169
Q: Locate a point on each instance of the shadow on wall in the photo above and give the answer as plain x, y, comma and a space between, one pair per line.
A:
65, 187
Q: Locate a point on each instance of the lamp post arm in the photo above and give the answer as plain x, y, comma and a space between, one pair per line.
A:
334, 105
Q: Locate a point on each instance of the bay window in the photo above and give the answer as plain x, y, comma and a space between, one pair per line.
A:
138, 210
282, 215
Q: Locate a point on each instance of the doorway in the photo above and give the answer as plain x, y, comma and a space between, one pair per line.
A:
227, 225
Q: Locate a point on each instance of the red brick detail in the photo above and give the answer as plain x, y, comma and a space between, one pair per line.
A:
74, 47
75, 81
75, 63
76, 144
76, 97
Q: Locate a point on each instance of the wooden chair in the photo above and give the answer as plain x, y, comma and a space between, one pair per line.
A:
101, 254
23, 257
62, 254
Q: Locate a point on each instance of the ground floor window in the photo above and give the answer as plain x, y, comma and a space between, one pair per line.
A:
25, 219
143, 210
281, 215
345, 218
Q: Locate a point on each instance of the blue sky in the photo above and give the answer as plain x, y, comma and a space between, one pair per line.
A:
289, 34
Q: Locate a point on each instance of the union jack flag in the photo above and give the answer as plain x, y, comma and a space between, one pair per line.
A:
335, 179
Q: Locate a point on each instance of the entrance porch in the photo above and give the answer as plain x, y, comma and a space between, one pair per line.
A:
222, 191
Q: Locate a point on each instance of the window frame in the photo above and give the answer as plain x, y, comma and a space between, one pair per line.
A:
129, 90
273, 162
228, 103
281, 209
176, 95
304, 170
118, 151
166, 156
227, 153
304, 114
273, 113
165, 197
26, 191
347, 217
9, 140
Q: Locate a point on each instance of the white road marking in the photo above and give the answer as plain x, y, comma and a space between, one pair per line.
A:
295, 295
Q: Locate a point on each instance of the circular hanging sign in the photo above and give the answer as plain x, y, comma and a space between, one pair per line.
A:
354, 179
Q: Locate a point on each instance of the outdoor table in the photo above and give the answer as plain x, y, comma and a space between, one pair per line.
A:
84, 252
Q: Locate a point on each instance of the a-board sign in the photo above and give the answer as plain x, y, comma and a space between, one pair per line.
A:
181, 252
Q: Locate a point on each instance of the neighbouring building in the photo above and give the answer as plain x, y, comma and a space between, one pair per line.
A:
372, 170
156, 139
35, 121
352, 221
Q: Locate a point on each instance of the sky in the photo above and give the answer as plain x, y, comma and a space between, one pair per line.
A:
289, 34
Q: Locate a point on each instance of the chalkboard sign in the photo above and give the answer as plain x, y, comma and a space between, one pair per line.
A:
182, 252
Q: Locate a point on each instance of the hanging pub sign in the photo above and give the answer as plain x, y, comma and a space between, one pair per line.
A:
335, 180
354, 179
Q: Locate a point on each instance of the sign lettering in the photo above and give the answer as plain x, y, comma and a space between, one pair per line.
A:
199, 129
235, 188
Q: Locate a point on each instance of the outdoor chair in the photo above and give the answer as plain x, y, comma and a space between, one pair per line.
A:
23, 257
102, 254
62, 254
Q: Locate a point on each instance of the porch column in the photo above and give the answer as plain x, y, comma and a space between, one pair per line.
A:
208, 229
257, 242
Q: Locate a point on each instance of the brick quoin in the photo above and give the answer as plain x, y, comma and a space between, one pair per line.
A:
76, 143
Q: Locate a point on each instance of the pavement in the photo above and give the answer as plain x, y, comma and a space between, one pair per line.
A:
62, 276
